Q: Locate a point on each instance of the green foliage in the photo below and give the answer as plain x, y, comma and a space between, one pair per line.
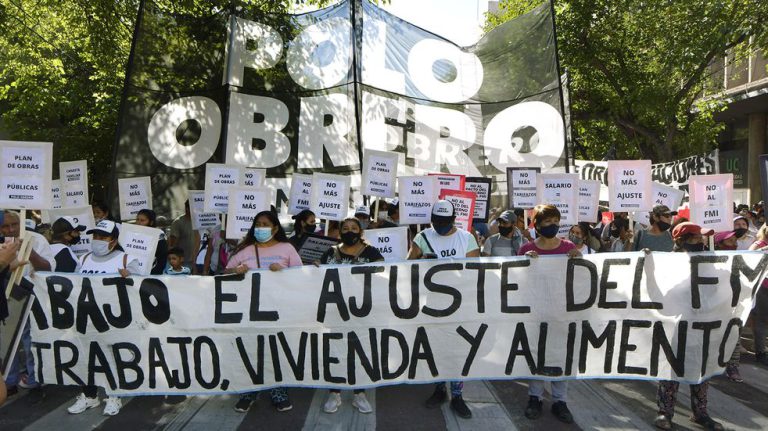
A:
638, 69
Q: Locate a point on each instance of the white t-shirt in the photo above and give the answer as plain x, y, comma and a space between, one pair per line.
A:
455, 245
41, 247
109, 264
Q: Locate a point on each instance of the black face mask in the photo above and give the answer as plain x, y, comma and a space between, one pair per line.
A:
74, 240
350, 238
615, 233
505, 231
548, 231
663, 226
693, 248
740, 232
310, 228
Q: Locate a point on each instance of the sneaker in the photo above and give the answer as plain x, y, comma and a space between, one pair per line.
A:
361, 403
36, 395
561, 412
533, 410
333, 403
24, 382
83, 403
663, 422
708, 423
112, 406
761, 358
438, 397
243, 404
284, 405
460, 407
732, 372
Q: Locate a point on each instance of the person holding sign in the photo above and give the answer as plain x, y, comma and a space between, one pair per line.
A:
444, 241
688, 238
106, 257
353, 250
546, 220
65, 232
657, 238
303, 225
147, 217
509, 239
265, 245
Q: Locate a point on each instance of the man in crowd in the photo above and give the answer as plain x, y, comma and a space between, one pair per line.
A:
743, 237
183, 236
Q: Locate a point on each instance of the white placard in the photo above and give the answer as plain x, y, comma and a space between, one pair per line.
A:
245, 203
330, 196
391, 242
253, 177
481, 187
301, 193
711, 199
141, 242
379, 173
74, 183
201, 220
25, 174
521, 182
629, 185
56, 194
662, 195
219, 180
449, 181
589, 200
135, 195
417, 195
83, 216
562, 191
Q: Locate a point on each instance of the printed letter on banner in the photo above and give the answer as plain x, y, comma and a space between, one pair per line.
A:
416, 196
562, 191
711, 199
135, 195
629, 185
330, 196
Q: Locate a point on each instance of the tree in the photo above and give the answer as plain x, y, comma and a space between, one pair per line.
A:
638, 69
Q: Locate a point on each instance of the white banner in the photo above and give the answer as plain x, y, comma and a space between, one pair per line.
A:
244, 204
711, 198
74, 183
219, 180
330, 196
589, 200
629, 185
253, 177
392, 242
416, 196
83, 216
380, 173
422, 321
25, 175
562, 191
135, 195
201, 220
301, 193
140, 242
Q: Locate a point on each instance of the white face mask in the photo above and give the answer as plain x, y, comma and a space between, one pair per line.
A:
99, 247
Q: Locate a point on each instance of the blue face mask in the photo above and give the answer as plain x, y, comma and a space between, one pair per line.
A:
262, 234
442, 229
549, 231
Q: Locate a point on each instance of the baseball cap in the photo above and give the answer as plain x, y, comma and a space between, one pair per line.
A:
740, 217
362, 210
442, 208
66, 224
688, 227
722, 236
662, 210
508, 216
105, 227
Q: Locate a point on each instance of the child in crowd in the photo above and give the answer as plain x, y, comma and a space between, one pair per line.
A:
175, 262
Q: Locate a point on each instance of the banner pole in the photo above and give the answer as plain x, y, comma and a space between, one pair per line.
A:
711, 243
24, 251
376, 210
327, 226
560, 85
631, 216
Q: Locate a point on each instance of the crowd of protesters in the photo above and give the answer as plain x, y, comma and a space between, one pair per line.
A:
182, 250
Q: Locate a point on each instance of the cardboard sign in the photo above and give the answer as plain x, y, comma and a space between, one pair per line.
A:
313, 247
711, 199
74, 183
245, 203
521, 187
140, 242
416, 196
56, 194
219, 180
201, 220
83, 216
662, 195
25, 174
253, 177
392, 242
449, 181
629, 185
463, 207
562, 191
330, 196
481, 187
379, 173
301, 193
135, 195
589, 200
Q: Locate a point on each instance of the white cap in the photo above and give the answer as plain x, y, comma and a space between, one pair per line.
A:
442, 208
362, 209
105, 227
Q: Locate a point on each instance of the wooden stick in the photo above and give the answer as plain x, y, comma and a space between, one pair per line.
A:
631, 217
711, 243
327, 226
25, 250
376, 211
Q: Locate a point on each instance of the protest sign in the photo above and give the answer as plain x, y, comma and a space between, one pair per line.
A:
463, 207
330, 196
629, 185
448, 181
253, 177
25, 174
379, 173
74, 183
671, 197
314, 246
244, 204
392, 242
83, 216
521, 187
562, 191
589, 200
56, 194
711, 199
346, 326
135, 195
219, 180
416, 196
301, 193
140, 242
481, 187
201, 220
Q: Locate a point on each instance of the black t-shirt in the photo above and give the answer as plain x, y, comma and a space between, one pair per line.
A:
65, 261
334, 256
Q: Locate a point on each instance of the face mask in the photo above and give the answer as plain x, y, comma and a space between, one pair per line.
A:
263, 234
364, 225
615, 233
740, 232
99, 247
575, 239
548, 231
310, 228
663, 226
442, 229
693, 247
350, 238
505, 231
74, 240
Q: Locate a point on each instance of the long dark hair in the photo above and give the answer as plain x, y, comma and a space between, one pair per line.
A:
149, 214
298, 230
359, 226
249, 240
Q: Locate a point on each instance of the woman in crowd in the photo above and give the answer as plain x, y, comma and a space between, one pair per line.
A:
147, 217
760, 312
688, 238
303, 225
580, 236
353, 250
264, 246
101, 211
106, 257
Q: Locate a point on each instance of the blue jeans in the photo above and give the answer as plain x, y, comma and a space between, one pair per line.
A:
13, 377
